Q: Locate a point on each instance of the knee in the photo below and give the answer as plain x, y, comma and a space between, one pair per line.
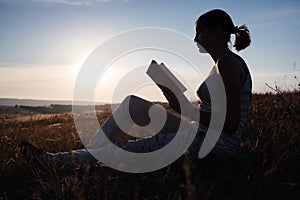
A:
130, 101
135, 100
136, 104
130, 98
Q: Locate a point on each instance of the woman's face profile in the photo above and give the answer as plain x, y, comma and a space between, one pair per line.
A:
207, 38
201, 39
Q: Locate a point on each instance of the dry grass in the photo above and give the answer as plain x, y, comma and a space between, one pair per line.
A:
267, 165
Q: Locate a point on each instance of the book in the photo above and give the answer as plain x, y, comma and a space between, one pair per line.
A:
164, 78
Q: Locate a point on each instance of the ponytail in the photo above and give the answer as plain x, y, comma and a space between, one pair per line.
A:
242, 37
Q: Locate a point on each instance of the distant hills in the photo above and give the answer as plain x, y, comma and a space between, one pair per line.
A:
36, 102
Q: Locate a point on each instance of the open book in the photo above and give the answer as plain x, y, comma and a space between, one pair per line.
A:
163, 77
165, 80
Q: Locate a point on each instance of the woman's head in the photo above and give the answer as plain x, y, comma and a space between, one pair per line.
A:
219, 21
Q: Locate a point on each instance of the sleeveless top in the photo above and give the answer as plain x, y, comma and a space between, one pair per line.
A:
229, 142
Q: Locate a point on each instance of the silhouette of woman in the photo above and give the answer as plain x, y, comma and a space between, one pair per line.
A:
213, 32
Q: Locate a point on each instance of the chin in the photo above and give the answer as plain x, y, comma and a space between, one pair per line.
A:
202, 51
201, 48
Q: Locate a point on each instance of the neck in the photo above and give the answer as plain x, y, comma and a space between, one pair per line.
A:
219, 52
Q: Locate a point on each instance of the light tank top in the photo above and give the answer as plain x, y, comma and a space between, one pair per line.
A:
229, 142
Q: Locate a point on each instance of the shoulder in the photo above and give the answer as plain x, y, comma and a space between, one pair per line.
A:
231, 66
230, 62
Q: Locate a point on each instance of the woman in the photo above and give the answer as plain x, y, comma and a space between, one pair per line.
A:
213, 31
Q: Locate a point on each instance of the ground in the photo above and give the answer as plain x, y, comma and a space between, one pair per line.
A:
267, 166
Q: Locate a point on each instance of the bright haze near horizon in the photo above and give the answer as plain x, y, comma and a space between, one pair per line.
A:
43, 43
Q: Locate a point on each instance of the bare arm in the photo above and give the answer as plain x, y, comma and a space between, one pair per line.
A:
191, 111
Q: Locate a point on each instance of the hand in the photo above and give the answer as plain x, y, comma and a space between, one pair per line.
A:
172, 99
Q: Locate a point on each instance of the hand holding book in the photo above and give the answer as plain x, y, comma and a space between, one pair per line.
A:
171, 87
171, 97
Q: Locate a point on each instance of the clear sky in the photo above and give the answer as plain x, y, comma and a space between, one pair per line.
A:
43, 43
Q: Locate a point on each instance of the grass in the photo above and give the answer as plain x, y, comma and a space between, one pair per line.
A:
267, 166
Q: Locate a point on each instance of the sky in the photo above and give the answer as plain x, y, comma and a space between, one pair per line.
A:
44, 43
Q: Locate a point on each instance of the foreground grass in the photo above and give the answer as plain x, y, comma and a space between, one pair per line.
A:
267, 166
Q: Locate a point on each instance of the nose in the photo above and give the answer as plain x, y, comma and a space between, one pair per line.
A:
196, 38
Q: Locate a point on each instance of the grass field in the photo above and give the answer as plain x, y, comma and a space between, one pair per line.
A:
267, 166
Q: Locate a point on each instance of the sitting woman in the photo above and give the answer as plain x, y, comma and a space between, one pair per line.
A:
213, 31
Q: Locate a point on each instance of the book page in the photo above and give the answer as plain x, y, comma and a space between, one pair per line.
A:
161, 75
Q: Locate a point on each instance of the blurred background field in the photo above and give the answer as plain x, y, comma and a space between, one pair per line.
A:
267, 166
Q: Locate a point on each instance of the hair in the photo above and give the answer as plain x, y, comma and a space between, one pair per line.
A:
219, 18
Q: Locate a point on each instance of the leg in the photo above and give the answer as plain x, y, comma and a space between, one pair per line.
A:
139, 113
160, 140
67, 159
